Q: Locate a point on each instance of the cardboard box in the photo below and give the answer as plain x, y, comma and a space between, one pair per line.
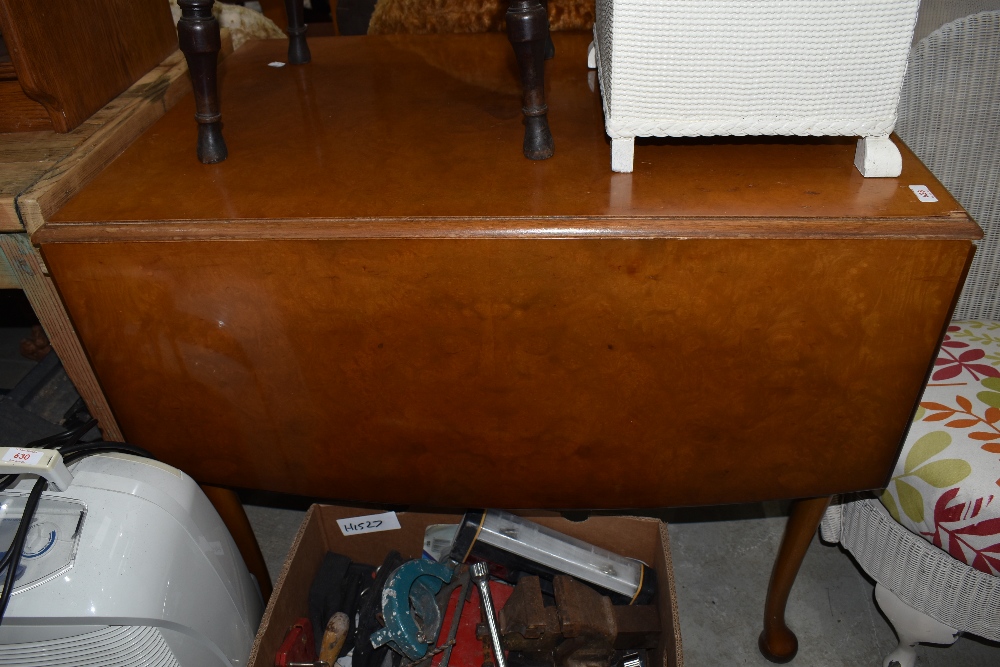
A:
637, 537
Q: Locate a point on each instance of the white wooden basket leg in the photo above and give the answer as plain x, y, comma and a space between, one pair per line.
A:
912, 627
878, 157
622, 151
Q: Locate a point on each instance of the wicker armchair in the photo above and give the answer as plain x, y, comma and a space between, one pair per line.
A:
932, 540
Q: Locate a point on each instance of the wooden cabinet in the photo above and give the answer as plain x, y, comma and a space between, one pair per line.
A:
66, 59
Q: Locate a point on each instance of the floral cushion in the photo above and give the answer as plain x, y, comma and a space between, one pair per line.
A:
946, 485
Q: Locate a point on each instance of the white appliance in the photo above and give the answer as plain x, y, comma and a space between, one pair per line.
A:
130, 565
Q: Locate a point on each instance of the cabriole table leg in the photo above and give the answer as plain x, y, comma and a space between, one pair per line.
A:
198, 37
528, 30
227, 504
777, 642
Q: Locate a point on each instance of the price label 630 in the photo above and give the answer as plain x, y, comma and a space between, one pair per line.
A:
25, 456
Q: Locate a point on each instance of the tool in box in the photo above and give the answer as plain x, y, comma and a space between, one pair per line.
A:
417, 607
481, 575
583, 629
468, 649
334, 637
409, 608
369, 613
298, 647
515, 546
462, 581
336, 587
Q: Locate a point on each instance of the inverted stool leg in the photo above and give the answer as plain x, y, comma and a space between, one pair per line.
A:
198, 37
527, 29
298, 49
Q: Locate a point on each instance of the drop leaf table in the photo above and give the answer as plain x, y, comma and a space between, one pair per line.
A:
373, 298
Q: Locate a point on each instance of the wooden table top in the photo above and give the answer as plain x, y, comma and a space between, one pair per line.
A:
421, 136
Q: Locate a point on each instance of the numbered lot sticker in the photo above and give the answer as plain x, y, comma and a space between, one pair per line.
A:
25, 456
923, 193
372, 523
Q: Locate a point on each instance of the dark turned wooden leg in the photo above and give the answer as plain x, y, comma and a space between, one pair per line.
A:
230, 509
198, 37
550, 48
298, 50
527, 29
777, 643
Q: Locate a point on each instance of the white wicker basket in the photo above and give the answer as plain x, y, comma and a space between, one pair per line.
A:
683, 68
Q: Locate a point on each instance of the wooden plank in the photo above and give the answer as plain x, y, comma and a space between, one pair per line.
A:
12, 172
35, 147
15, 176
7, 278
26, 157
76, 56
9, 220
107, 134
41, 292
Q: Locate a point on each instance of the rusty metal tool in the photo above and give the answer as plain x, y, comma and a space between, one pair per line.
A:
583, 630
466, 578
481, 575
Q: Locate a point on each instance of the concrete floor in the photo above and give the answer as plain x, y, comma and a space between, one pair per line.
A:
13, 366
722, 562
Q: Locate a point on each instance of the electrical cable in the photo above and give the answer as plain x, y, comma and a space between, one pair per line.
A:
17, 544
66, 437
73, 452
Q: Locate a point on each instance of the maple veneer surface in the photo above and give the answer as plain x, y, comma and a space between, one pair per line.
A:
377, 298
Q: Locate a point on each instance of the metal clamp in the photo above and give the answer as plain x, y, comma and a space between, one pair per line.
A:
415, 578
